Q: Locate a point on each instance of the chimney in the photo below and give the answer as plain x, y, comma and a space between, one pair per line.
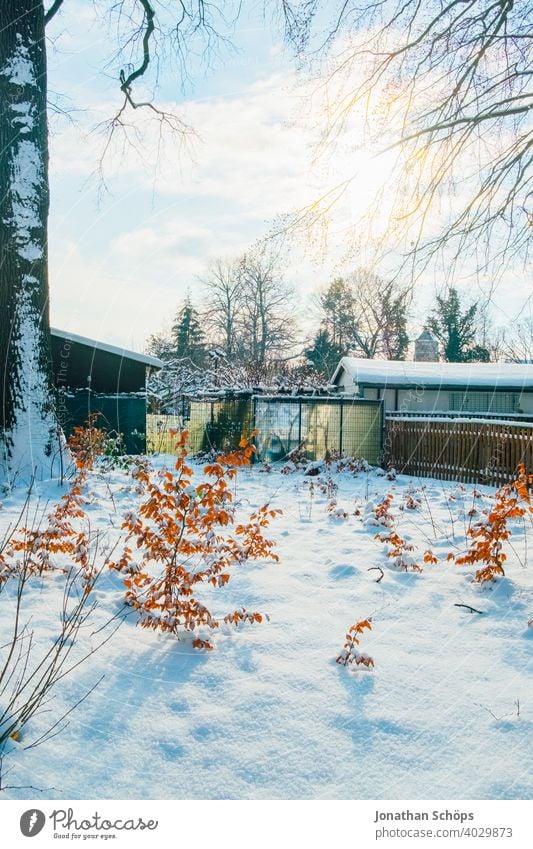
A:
426, 348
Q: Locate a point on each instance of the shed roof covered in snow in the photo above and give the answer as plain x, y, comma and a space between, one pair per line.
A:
125, 353
438, 375
81, 362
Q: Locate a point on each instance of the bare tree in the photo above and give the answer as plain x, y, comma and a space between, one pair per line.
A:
449, 84
266, 323
517, 342
380, 315
224, 303
366, 316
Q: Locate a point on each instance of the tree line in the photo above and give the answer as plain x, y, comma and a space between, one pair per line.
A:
246, 333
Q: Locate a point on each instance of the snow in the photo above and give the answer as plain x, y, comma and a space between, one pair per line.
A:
110, 349
19, 68
35, 431
436, 374
269, 713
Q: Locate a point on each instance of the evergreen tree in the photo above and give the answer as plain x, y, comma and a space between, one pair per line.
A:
325, 354
188, 341
456, 329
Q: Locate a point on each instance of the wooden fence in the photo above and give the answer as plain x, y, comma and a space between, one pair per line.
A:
467, 451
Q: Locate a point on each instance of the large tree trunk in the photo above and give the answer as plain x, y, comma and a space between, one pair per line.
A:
31, 441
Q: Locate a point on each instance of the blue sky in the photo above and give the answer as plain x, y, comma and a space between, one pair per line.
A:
122, 261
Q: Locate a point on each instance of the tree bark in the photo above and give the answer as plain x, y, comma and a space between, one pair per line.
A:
30, 434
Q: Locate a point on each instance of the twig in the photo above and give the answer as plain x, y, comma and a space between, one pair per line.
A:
472, 609
379, 569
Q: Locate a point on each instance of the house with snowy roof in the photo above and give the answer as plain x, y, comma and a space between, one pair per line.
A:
427, 385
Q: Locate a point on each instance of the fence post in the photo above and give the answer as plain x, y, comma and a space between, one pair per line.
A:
382, 432
254, 455
341, 424
299, 424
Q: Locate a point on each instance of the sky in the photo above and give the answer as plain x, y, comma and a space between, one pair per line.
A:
123, 257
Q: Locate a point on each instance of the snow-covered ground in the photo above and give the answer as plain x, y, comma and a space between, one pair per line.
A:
446, 712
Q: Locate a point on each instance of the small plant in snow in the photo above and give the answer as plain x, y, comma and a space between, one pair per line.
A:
345, 463
243, 615
400, 551
488, 536
430, 558
30, 672
335, 511
87, 442
379, 515
38, 547
296, 460
327, 487
350, 655
410, 502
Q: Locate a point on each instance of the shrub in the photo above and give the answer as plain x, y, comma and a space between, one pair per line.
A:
181, 528
488, 536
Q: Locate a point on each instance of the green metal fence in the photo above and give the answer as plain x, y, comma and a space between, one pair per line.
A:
315, 425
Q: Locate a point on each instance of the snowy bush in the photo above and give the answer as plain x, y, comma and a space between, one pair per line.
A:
379, 514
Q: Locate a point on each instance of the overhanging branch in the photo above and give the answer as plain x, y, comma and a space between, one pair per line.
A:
127, 81
52, 11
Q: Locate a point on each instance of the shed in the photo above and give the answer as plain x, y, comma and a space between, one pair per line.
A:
410, 387
95, 377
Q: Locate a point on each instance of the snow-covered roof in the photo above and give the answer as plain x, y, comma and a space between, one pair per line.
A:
407, 373
154, 362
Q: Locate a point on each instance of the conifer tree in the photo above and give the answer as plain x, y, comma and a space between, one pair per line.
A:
456, 329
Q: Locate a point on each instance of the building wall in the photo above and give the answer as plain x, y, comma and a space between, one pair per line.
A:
411, 400
526, 402
346, 384
122, 414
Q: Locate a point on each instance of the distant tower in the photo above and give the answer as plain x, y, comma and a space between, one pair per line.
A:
426, 348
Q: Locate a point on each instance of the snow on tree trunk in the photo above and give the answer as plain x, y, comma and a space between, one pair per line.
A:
31, 438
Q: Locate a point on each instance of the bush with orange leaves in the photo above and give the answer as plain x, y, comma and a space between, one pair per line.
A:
87, 442
57, 541
38, 546
512, 501
181, 533
350, 655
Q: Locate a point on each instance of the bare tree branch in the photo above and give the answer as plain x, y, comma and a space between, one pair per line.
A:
449, 86
127, 81
54, 8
